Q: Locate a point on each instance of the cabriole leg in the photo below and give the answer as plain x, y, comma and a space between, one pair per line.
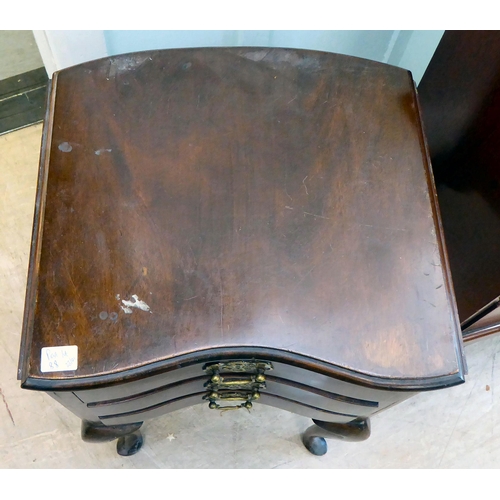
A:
129, 436
314, 437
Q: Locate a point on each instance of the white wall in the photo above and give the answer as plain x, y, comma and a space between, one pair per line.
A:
418, 47
408, 49
64, 48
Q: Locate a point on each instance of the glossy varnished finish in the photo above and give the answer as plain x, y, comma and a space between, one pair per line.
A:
279, 200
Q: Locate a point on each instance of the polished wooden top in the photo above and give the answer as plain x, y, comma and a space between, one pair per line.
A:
239, 198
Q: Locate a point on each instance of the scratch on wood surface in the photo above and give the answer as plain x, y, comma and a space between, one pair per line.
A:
7, 406
192, 252
289, 208
221, 305
316, 215
383, 227
305, 187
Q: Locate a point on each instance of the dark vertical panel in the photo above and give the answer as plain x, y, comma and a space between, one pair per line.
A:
460, 100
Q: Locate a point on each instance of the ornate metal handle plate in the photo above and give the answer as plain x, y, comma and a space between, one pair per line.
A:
233, 385
245, 397
239, 367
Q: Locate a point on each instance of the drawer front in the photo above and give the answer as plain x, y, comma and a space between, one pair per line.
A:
127, 389
280, 385
193, 399
280, 370
277, 387
158, 396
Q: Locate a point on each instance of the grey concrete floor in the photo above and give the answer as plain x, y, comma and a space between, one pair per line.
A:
447, 429
18, 53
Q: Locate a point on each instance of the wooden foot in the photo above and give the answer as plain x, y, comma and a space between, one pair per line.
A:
314, 437
129, 437
130, 444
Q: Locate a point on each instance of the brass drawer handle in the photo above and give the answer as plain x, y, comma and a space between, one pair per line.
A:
254, 367
245, 397
252, 382
238, 381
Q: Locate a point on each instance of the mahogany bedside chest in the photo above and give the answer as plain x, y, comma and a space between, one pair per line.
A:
236, 227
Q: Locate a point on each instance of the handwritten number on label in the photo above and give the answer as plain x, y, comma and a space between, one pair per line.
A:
60, 358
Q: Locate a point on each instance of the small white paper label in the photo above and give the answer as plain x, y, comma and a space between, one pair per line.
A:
59, 359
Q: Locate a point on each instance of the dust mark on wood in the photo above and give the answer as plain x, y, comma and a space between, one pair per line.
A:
7, 406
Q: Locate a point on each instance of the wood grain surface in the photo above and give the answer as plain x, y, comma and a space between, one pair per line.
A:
244, 198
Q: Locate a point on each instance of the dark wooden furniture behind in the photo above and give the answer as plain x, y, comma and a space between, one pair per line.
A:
460, 100
231, 226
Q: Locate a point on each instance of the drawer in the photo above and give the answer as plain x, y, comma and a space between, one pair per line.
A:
293, 374
193, 399
276, 386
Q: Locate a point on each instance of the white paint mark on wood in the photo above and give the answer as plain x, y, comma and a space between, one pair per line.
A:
134, 303
101, 151
65, 147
